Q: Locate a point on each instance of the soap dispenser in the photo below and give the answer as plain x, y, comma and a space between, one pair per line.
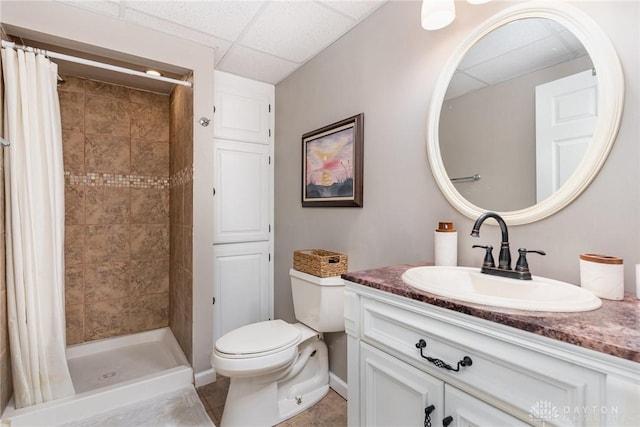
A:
446, 244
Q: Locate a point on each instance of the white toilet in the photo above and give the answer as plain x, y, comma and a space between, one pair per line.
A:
279, 369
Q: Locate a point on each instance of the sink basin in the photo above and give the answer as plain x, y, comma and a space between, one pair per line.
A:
468, 284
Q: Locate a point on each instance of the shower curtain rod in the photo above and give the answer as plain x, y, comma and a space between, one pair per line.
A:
96, 64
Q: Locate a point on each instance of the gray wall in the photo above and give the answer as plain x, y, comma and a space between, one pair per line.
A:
387, 67
498, 123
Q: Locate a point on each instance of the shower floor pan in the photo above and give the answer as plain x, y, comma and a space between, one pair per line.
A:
110, 373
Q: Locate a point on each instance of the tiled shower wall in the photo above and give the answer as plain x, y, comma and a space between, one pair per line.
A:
181, 218
116, 156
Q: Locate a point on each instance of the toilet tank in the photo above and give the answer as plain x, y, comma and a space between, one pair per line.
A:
318, 301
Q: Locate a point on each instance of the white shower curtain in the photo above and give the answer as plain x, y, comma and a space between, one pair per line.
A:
34, 209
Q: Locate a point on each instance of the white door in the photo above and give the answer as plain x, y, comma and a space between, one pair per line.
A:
242, 194
242, 295
566, 114
394, 393
242, 109
467, 411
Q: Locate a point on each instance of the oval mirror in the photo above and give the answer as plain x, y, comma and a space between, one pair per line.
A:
525, 113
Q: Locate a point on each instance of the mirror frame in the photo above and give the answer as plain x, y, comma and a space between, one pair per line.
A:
610, 106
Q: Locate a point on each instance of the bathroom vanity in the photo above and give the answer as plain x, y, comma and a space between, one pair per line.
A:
415, 358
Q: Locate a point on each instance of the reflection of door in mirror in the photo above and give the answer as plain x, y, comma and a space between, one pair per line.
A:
566, 114
487, 120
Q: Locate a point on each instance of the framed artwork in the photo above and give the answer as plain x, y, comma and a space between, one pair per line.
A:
332, 164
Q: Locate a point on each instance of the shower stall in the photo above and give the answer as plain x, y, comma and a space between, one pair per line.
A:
129, 272
128, 195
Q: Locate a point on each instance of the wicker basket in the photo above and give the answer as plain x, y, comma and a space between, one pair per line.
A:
319, 262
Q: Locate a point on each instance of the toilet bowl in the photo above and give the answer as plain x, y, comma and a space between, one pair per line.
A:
258, 348
278, 369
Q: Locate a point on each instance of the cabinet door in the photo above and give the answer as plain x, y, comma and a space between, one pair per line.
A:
394, 393
242, 109
468, 411
241, 201
242, 291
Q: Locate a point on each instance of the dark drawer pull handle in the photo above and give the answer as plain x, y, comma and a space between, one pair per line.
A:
427, 415
466, 361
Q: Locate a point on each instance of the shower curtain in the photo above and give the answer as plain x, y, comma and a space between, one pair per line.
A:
34, 211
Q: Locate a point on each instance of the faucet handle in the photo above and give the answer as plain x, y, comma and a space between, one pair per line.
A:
488, 256
522, 265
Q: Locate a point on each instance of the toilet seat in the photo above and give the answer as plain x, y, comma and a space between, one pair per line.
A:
256, 349
258, 339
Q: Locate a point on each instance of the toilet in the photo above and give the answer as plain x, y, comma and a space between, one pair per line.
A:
278, 369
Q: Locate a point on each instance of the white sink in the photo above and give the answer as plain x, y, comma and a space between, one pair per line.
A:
468, 284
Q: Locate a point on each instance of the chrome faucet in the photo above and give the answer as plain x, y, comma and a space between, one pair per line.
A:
504, 259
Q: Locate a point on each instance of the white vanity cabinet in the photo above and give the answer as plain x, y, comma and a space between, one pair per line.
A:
515, 377
396, 393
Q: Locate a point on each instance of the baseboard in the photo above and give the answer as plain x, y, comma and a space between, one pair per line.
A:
205, 377
338, 385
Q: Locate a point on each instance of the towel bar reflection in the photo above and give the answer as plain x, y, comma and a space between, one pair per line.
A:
475, 177
4, 142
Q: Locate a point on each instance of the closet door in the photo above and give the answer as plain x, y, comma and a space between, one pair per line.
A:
242, 196
243, 294
242, 109
243, 202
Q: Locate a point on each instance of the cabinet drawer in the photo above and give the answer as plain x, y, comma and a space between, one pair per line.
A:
523, 381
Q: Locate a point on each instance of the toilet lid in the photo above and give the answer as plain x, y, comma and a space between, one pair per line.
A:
259, 338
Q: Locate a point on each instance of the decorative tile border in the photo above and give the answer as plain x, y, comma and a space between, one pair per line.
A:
182, 177
94, 179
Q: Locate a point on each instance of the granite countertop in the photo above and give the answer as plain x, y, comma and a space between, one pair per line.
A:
614, 328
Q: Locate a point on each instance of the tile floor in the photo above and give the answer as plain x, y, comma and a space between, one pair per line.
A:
331, 411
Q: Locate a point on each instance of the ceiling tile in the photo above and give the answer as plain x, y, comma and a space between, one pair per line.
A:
256, 65
165, 26
504, 40
356, 9
526, 59
225, 19
461, 84
572, 42
103, 7
221, 49
295, 31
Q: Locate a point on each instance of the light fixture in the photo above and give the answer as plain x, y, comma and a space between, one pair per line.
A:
437, 14
153, 73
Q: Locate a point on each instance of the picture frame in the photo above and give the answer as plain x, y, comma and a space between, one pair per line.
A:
332, 164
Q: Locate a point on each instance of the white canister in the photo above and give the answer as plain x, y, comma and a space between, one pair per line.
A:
446, 244
603, 275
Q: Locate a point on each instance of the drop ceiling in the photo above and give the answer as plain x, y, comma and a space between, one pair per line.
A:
267, 40
264, 40
514, 50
